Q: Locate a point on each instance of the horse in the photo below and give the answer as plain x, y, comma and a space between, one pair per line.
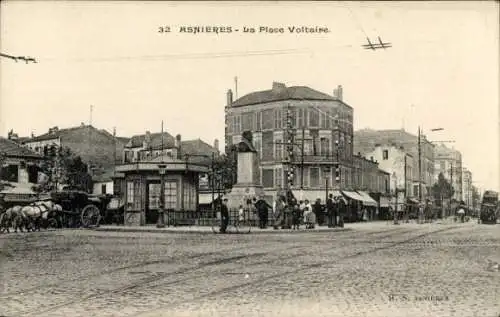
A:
19, 219
6, 219
42, 213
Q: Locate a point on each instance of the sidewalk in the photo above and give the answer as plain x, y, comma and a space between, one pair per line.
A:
209, 230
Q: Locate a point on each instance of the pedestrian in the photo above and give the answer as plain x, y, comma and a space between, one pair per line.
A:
330, 212
296, 216
278, 212
364, 214
461, 214
224, 214
241, 216
318, 211
341, 210
263, 211
308, 215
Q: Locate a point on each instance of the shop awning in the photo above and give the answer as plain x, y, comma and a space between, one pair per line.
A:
384, 202
352, 195
312, 195
412, 200
367, 200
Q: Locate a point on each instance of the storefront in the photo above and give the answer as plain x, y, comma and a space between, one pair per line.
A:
370, 204
142, 188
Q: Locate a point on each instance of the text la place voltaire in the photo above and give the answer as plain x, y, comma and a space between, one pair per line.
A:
288, 29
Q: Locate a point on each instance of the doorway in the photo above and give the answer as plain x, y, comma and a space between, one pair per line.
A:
152, 202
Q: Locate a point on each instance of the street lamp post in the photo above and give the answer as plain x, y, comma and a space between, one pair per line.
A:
396, 222
419, 145
161, 214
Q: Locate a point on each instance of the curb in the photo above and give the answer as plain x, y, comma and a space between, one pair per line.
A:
253, 231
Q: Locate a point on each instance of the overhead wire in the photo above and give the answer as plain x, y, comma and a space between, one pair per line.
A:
190, 56
356, 21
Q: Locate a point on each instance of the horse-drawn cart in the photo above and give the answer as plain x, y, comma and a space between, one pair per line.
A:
81, 208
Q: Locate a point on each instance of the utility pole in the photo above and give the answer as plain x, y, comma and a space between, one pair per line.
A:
396, 222
212, 185
338, 181
302, 156
236, 87
289, 143
162, 169
302, 159
419, 167
451, 184
405, 191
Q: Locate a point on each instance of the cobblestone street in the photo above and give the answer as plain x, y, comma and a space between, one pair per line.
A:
373, 270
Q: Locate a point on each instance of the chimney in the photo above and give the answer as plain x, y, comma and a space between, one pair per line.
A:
278, 86
178, 145
147, 140
229, 95
337, 93
216, 144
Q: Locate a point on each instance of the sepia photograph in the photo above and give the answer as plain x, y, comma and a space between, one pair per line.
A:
249, 158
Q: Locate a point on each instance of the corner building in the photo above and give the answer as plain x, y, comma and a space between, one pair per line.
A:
318, 119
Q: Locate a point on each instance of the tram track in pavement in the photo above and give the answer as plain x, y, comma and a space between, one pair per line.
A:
152, 279
298, 270
149, 281
172, 259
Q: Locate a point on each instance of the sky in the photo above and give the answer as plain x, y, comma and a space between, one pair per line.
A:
441, 72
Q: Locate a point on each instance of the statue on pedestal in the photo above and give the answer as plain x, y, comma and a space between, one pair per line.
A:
246, 144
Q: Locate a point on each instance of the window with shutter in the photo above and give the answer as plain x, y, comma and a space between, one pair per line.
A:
278, 149
171, 191
314, 176
278, 177
313, 118
267, 178
325, 146
258, 121
267, 119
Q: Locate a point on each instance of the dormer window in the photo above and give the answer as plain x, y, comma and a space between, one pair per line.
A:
385, 154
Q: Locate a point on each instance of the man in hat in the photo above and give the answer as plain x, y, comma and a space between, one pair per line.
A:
330, 212
262, 210
224, 214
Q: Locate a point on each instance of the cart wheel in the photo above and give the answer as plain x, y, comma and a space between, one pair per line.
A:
215, 225
52, 223
91, 216
244, 226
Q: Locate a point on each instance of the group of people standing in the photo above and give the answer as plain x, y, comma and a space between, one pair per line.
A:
288, 213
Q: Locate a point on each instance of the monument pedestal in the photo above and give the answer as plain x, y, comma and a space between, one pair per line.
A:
248, 185
240, 193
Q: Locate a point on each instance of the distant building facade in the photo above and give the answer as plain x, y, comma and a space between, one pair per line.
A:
368, 177
467, 187
398, 163
18, 164
319, 120
449, 162
391, 146
188, 165
96, 147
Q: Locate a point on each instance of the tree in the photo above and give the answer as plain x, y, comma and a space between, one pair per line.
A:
63, 167
442, 189
225, 170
